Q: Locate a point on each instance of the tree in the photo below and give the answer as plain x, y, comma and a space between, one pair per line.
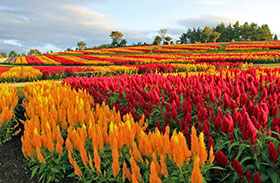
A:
162, 33
123, 43
214, 36
275, 37
206, 33
34, 52
157, 40
263, 33
81, 45
221, 28
168, 39
116, 37
3, 55
183, 38
13, 54
69, 49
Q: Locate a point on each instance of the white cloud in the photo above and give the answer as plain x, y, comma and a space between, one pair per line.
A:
12, 42
205, 20
49, 47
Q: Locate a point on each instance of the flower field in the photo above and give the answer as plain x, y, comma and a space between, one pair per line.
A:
137, 114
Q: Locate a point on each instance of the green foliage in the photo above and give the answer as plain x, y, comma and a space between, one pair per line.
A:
13, 54
157, 40
81, 45
3, 55
55, 169
6, 131
223, 33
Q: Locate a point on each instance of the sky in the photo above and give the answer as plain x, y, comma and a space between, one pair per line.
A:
59, 24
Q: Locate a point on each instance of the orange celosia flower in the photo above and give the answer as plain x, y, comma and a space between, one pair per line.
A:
83, 154
59, 148
136, 153
202, 150
211, 155
196, 174
157, 166
154, 174
77, 170
194, 141
135, 170
115, 155
126, 172
40, 156
90, 162
163, 170
97, 161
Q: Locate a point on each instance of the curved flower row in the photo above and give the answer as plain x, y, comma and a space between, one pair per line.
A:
9, 100
253, 46
64, 131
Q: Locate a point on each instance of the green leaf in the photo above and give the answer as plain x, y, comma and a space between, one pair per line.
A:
232, 145
217, 168
245, 159
54, 170
274, 177
34, 171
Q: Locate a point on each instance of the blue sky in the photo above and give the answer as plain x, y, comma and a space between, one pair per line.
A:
60, 24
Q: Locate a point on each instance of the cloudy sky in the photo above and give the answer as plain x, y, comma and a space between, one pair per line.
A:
60, 24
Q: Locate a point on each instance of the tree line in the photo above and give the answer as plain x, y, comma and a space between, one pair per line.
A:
219, 33
228, 33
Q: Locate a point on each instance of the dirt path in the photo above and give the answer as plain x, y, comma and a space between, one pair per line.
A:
22, 84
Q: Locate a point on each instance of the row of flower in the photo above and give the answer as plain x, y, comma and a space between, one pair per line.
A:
237, 110
121, 59
28, 73
198, 47
253, 46
255, 57
9, 100
68, 135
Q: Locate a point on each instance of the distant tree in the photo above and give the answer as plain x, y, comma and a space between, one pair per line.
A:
263, 33
34, 52
168, 39
236, 31
69, 49
13, 54
116, 37
123, 43
206, 34
102, 46
245, 32
3, 55
275, 37
183, 38
223, 33
23, 54
214, 36
162, 34
81, 45
157, 40
221, 28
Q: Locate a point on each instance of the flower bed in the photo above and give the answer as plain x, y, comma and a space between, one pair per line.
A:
9, 100
66, 136
238, 111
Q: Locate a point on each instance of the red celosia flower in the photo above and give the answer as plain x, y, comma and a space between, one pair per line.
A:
257, 178
248, 175
272, 153
237, 167
221, 159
